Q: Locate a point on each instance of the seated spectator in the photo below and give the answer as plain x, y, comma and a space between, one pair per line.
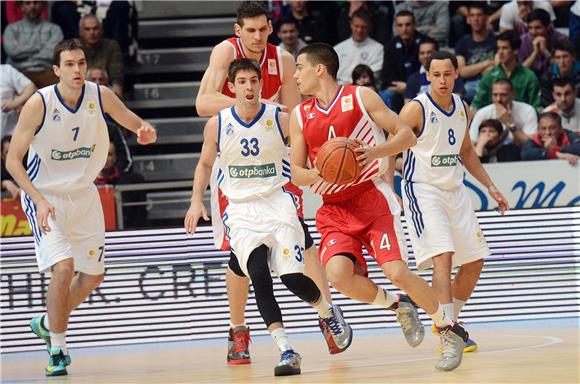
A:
133, 216
552, 141
9, 187
102, 53
491, 146
382, 16
514, 14
538, 42
565, 65
29, 44
417, 83
432, 18
116, 133
363, 75
401, 58
458, 14
567, 105
518, 119
14, 11
359, 48
309, 20
524, 82
476, 51
15, 89
288, 35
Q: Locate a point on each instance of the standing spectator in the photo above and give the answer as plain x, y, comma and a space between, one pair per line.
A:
382, 16
475, 52
524, 82
401, 58
8, 184
518, 119
565, 65
515, 13
539, 41
417, 83
359, 48
29, 44
432, 18
567, 105
552, 141
103, 53
15, 89
288, 35
490, 146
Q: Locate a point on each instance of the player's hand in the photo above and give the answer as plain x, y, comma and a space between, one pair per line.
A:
569, 157
366, 154
314, 176
502, 202
10, 105
146, 134
43, 210
195, 211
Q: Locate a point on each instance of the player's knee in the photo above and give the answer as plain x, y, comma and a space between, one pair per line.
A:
399, 277
473, 267
63, 272
443, 262
302, 286
96, 280
259, 270
337, 278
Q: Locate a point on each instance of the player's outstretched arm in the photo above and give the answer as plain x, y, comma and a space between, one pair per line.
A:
28, 122
202, 176
473, 165
114, 107
299, 154
209, 100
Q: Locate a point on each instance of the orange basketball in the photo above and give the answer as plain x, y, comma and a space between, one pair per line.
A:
336, 161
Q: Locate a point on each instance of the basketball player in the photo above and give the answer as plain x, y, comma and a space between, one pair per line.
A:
252, 29
364, 212
249, 142
443, 228
63, 128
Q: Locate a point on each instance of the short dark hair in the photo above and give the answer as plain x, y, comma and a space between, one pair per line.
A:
562, 82
565, 45
429, 40
249, 10
360, 70
243, 65
540, 15
362, 14
405, 12
550, 115
6, 140
504, 82
479, 5
286, 20
441, 55
493, 123
67, 45
322, 53
511, 37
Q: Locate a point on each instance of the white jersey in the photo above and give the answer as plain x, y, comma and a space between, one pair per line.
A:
70, 147
435, 159
253, 157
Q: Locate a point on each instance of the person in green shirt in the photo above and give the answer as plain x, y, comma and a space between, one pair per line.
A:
525, 83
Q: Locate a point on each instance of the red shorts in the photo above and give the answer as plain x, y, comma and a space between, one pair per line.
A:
363, 220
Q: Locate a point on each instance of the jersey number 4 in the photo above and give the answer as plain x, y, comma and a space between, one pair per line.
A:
250, 147
385, 244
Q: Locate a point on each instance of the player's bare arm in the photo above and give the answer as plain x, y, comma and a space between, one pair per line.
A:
202, 175
284, 119
473, 165
289, 93
112, 105
402, 135
210, 100
29, 121
301, 175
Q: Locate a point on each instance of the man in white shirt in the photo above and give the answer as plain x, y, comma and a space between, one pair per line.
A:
359, 48
519, 119
566, 104
288, 34
15, 89
515, 12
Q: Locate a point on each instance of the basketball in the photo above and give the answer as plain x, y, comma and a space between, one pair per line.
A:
336, 161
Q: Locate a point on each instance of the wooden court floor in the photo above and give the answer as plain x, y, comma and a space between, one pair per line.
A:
541, 351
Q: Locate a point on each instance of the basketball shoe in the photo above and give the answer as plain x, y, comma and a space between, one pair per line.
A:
470, 346
238, 346
453, 340
57, 363
289, 364
336, 331
408, 317
37, 327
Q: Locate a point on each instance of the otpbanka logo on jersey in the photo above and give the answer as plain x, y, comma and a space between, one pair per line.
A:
252, 171
82, 152
444, 160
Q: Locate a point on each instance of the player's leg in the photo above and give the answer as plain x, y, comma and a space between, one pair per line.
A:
81, 287
464, 283
237, 284
312, 266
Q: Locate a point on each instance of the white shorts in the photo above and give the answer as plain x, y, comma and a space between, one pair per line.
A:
441, 221
78, 231
271, 221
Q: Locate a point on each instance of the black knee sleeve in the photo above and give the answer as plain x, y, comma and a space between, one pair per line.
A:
235, 265
259, 271
302, 286
308, 241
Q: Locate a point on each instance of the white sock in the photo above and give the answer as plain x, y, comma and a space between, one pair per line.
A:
385, 298
449, 310
440, 318
323, 308
457, 306
279, 335
45, 321
59, 340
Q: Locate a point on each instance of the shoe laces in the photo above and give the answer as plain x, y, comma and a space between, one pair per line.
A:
449, 349
56, 359
333, 324
287, 355
404, 318
241, 341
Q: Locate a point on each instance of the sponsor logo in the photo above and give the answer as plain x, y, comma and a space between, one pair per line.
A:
346, 103
252, 171
364, 55
479, 235
92, 253
269, 124
229, 130
307, 108
286, 251
331, 242
92, 109
311, 115
82, 152
444, 160
462, 115
55, 115
433, 118
272, 68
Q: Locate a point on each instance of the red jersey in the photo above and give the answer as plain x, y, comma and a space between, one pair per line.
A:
346, 116
271, 64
